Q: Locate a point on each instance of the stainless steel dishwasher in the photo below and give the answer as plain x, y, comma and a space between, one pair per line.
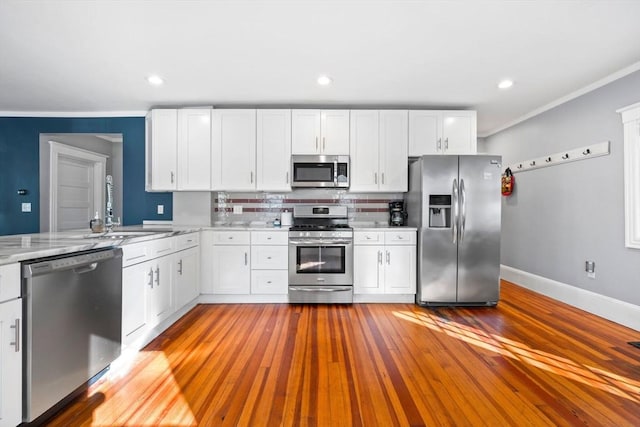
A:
72, 311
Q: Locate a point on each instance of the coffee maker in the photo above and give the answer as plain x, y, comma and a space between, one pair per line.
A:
397, 214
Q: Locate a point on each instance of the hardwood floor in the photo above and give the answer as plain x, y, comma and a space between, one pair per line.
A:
530, 361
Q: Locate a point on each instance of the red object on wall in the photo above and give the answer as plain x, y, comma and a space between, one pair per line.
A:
508, 182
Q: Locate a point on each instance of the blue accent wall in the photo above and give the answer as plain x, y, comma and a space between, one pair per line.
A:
19, 168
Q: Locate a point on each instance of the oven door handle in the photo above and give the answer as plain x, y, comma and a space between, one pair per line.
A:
318, 289
321, 242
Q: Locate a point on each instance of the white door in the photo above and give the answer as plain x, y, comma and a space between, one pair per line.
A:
424, 133
400, 270
231, 270
194, 149
11, 362
160, 150
305, 132
334, 129
459, 134
77, 183
136, 279
364, 150
273, 150
233, 154
367, 268
394, 158
186, 265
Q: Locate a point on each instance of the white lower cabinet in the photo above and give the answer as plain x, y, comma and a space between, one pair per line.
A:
384, 262
11, 362
157, 280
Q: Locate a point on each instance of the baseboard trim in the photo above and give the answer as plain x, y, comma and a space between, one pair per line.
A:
609, 308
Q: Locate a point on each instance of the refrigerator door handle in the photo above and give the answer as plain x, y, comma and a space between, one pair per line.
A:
454, 221
463, 209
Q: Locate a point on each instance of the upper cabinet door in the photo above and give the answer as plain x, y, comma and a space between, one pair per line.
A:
424, 133
161, 147
334, 132
459, 134
233, 150
194, 149
273, 150
442, 132
364, 151
394, 143
305, 131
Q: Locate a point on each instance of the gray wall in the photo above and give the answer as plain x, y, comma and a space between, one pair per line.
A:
561, 216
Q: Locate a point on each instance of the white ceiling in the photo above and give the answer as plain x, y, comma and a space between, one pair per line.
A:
93, 56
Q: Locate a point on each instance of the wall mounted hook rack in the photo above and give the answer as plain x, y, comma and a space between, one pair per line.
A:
588, 152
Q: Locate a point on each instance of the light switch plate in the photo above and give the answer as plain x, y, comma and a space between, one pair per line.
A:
26, 207
160, 209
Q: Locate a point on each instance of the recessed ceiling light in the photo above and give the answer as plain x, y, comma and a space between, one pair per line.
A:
155, 80
505, 84
324, 80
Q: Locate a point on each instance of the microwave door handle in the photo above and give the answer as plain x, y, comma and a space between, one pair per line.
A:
335, 172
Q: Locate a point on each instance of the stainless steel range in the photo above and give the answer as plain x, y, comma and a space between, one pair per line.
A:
320, 255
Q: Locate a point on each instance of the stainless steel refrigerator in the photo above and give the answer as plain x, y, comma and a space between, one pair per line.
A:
455, 203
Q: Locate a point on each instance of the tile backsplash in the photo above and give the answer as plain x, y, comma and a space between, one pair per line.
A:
268, 206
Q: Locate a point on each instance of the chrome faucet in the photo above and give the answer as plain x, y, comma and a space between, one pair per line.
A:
109, 223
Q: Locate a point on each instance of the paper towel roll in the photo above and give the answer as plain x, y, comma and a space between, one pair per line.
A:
285, 218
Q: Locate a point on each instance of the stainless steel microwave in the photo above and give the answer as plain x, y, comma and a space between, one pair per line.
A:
320, 171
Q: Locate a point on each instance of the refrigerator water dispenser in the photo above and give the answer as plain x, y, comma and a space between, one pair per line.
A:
440, 211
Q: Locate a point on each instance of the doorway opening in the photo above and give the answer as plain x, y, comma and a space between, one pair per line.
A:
73, 168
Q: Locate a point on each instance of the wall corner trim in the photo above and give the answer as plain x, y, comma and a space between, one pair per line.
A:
609, 308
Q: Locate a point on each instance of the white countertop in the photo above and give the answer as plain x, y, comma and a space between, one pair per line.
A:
20, 247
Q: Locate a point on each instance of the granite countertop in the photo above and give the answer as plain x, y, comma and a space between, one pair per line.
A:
21, 247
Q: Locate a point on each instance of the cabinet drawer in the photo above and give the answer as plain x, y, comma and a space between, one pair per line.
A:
269, 282
161, 247
135, 253
269, 237
400, 237
269, 257
368, 237
184, 241
231, 238
9, 281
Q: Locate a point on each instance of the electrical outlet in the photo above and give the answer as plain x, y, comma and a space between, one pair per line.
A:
590, 268
26, 207
160, 209
237, 209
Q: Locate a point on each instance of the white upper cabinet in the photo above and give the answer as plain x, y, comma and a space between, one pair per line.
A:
194, 149
379, 150
442, 132
233, 150
320, 132
177, 149
273, 150
161, 146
